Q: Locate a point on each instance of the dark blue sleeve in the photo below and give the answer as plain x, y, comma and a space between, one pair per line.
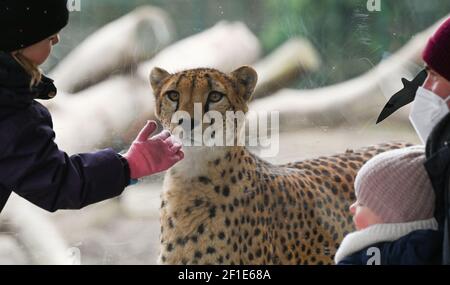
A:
422, 247
354, 259
39, 172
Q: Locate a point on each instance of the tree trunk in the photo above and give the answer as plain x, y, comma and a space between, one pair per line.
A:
41, 239
285, 65
226, 46
115, 48
355, 102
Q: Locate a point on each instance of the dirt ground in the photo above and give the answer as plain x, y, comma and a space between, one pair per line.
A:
126, 230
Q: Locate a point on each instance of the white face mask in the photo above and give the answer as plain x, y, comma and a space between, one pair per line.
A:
427, 111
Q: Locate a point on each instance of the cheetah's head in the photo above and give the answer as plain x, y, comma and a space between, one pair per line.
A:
200, 95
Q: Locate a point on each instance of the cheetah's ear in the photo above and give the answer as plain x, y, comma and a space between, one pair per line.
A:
157, 76
246, 78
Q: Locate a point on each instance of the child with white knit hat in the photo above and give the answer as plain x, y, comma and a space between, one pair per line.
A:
393, 213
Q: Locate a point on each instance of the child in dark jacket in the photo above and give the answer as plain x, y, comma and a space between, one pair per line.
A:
393, 213
31, 164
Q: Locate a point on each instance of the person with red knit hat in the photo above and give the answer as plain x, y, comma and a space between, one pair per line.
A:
435, 125
431, 103
430, 117
430, 89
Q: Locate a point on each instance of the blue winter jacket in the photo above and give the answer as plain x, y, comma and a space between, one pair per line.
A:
413, 243
31, 164
422, 247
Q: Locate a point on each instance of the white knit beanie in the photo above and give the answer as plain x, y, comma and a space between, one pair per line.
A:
396, 186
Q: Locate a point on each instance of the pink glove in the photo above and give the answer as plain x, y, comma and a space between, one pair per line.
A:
149, 156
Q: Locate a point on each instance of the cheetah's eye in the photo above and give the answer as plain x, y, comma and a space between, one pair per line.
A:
215, 97
173, 95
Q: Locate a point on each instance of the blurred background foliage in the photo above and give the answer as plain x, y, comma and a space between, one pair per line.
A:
349, 38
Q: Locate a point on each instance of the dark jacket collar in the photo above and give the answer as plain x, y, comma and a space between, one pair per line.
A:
15, 88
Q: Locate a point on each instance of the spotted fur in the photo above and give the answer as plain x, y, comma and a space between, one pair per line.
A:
224, 205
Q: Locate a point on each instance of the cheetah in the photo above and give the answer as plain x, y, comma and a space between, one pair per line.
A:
225, 205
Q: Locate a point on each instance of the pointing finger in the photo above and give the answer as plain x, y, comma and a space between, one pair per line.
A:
148, 129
